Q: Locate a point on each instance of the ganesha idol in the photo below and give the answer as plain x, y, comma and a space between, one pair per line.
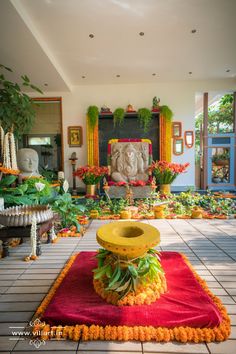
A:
129, 161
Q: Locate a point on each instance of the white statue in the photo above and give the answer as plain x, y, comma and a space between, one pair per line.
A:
28, 162
128, 163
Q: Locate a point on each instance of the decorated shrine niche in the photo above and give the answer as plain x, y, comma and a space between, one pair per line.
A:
97, 138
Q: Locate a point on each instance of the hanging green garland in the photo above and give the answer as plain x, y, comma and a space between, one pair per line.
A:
93, 113
118, 116
145, 118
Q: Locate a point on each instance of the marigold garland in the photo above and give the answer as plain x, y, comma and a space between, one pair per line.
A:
139, 333
144, 295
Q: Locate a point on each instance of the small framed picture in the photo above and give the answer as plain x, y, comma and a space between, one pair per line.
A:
75, 136
176, 129
188, 138
178, 146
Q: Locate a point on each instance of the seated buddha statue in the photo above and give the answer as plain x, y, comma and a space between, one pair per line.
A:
128, 164
28, 162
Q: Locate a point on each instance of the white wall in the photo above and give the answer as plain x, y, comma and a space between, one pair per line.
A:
179, 96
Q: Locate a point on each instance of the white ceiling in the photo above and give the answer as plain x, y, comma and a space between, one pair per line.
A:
49, 40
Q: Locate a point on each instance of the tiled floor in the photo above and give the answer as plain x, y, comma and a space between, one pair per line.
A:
209, 244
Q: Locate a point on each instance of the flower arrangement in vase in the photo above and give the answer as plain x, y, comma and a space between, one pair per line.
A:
166, 172
91, 175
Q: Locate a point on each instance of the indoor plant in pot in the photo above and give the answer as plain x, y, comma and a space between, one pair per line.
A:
16, 106
91, 176
166, 172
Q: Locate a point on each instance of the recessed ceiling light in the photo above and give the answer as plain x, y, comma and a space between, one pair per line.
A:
141, 34
228, 70
193, 30
154, 74
91, 35
83, 77
117, 75
190, 72
45, 84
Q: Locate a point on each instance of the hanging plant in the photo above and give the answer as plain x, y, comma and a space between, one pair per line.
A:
145, 118
118, 116
15, 106
93, 116
167, 113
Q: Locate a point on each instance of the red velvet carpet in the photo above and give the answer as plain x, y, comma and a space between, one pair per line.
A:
185, 304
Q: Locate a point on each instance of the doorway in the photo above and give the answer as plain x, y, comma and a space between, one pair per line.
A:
46, 136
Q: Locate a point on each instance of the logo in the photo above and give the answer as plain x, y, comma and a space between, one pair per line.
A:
32, 334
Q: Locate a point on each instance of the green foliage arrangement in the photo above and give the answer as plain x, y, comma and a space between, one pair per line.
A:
145, 118
32, 191
93, 113
123, 280
166, 112
16, 106
221, 157
118, 116
67, 210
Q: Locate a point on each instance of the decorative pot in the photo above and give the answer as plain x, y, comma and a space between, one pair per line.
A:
196, 213
91, 189
22, 215
125, 214
159, 211
222, 162
165, 188
94, 214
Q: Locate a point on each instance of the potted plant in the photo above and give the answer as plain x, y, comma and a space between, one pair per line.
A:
221, 159
16, 106
166, 172
91, 176
93, 113
145, 118
118, 116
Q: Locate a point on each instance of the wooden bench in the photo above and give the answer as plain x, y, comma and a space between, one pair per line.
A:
7, 232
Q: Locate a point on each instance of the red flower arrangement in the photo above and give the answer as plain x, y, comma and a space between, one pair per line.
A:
91, 174
166, 172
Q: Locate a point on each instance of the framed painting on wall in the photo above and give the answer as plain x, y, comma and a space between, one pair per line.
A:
188, 138
75, 136
178, 146
176, 129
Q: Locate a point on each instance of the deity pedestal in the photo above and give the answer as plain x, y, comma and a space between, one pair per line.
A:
138, 192
129, 270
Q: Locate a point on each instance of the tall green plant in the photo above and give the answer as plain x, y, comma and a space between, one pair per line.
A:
145, 118
16, 106
92, 116
68, 211
167, 113
118, 116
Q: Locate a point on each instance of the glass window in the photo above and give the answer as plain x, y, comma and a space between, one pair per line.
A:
39, 140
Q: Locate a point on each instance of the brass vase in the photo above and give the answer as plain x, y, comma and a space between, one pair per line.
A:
165, 188
91, 189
